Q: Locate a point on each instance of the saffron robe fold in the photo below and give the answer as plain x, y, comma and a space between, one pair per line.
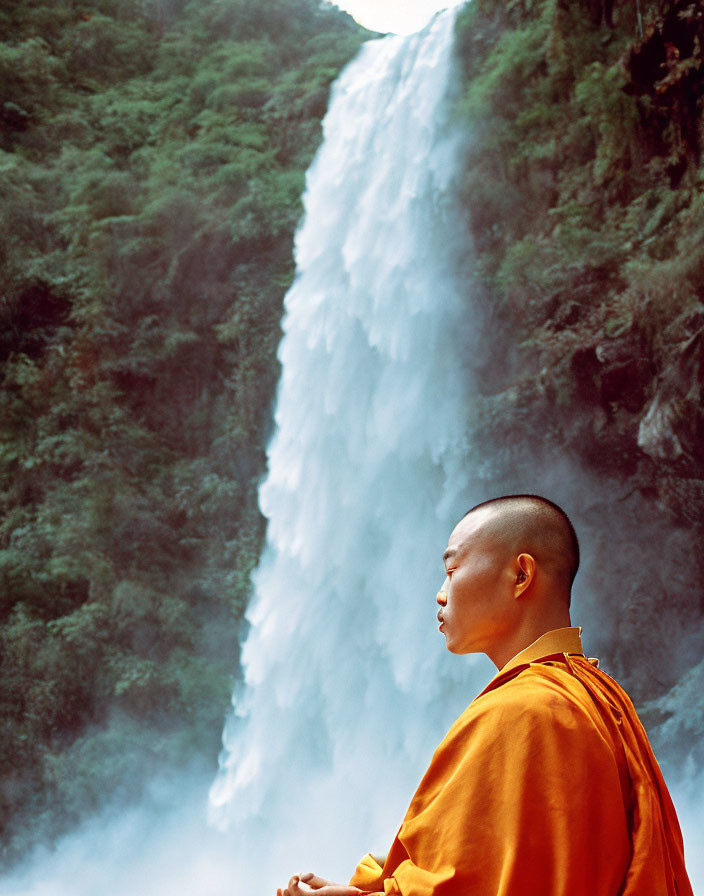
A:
546, 785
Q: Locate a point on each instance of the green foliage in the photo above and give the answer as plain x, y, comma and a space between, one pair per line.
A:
564, 195
102, 48
152, 158
508, 73
583, 188
613, 117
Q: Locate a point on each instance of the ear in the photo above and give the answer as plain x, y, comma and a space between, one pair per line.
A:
525, 573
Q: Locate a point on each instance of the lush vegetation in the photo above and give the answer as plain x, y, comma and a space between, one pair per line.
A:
152, 160
584, 189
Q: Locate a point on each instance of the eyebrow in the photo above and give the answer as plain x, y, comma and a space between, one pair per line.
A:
448, 553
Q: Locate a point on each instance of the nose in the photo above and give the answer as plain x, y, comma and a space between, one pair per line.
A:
442, 596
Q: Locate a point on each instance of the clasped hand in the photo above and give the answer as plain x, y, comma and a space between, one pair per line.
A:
305, 884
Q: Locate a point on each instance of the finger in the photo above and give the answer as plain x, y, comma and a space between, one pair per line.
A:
302, 888
315, 881
339, 890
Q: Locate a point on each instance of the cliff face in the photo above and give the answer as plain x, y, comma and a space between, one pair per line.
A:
584, 192
152, 159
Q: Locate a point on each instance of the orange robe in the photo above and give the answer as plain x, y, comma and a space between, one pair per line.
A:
546, 785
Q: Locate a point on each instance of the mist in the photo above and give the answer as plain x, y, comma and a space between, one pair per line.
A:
346, 686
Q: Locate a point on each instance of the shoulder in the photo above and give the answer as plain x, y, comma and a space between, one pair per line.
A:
536, 720
539, 696
542, 687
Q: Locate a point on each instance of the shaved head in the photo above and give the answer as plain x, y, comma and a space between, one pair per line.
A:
536, 526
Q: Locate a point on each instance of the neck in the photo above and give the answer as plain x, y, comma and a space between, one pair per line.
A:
527, 633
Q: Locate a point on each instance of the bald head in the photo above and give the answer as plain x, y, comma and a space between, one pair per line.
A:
509, 567
533, 525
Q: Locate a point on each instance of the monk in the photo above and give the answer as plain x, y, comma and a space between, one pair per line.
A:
546, 785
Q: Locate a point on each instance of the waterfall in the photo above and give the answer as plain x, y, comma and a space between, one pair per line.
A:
347, 686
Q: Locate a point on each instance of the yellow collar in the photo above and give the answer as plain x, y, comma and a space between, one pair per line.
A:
559, 640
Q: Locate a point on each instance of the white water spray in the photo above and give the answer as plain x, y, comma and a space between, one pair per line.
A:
347, 688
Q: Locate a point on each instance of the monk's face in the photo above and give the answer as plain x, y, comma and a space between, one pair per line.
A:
477, 610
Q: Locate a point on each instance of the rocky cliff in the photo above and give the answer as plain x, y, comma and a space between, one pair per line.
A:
584, 192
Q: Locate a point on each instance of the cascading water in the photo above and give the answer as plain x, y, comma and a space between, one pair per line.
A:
347, 688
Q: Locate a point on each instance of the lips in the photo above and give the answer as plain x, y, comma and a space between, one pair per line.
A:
440, 618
